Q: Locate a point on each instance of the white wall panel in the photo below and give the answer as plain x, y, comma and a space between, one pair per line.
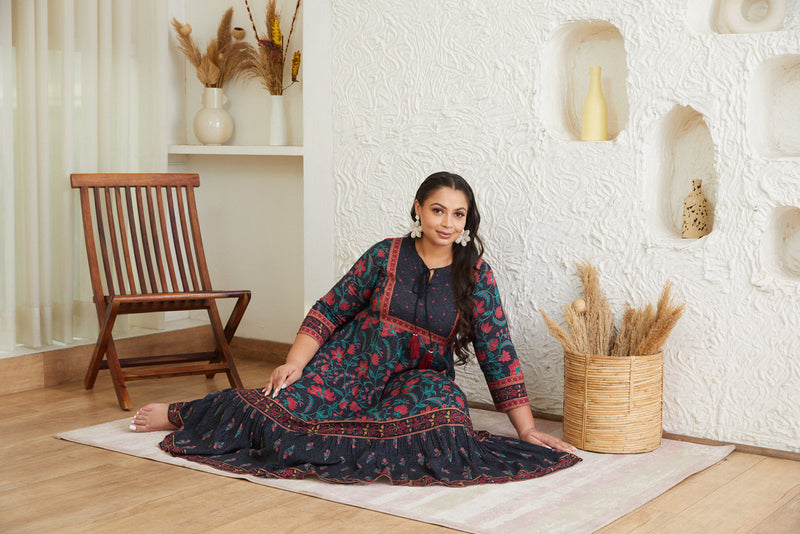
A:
468, 86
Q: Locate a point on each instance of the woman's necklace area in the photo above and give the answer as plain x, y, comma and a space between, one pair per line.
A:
432, 263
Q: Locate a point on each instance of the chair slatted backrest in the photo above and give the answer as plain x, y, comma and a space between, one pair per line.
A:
142, 233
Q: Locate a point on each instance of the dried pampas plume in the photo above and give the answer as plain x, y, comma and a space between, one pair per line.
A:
667, 315
599, 319
575, 317
224, 58
560, 334
590, 322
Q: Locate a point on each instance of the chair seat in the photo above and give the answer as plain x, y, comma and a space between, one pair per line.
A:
163, 302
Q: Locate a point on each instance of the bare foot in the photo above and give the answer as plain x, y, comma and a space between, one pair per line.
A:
152, 417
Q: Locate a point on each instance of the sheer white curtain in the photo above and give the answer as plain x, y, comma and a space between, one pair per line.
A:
81, 90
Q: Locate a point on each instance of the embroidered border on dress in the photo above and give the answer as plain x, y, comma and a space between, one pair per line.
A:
386, 300
567, 460
293, 473
317, 326
509, 392
426, 422
391, 429
174, 414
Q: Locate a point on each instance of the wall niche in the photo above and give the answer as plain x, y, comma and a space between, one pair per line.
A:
569, 53
772, 110
736, 16
782, 241
684, 151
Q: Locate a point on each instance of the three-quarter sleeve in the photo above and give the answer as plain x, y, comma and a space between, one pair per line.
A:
493, 346
349, 296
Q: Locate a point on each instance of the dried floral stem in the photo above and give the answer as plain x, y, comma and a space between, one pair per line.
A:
599, 319
560, 334
225, 30
667, 315
643, 331
268, 59
576, 322
291, 28
186, 44
642, 322
253, 22
622, 343
224, 58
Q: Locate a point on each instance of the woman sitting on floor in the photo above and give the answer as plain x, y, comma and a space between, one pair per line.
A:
368, 390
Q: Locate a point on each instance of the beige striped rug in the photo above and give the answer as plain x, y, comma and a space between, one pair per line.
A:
583, 498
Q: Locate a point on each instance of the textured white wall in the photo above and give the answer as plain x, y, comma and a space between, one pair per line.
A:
468, 86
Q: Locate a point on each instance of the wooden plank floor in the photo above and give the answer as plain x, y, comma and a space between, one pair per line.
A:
50, 485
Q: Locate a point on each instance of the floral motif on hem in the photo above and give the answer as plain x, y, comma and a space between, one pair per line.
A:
475, 457
174, 414
567, 460
390, 429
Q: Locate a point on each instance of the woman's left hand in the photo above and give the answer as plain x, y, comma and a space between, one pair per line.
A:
537, 437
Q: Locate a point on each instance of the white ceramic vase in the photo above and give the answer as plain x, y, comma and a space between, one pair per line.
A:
278, 135
213, 125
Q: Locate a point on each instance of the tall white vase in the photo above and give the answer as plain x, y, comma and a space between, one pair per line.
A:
213, 125
278, 134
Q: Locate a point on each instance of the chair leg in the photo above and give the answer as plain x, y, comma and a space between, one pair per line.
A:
106, 320
230, 330
117, 377
236, 316
223, 349
105, 347
94, 367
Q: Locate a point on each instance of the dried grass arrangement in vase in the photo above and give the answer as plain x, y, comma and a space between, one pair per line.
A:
226, 57
613, 378
268, 64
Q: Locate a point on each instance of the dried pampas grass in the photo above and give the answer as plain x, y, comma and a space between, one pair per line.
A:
224, 58
268, 59
560, 334
575, 317
666, 317
599, 319
590, 322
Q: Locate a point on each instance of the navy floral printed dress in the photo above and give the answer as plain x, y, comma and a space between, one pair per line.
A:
367, 407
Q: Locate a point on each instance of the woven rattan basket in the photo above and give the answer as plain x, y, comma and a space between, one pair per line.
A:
613, 404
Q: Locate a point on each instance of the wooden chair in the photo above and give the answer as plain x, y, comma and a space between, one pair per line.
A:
145, 254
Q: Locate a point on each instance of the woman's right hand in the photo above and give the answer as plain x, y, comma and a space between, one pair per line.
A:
283, 376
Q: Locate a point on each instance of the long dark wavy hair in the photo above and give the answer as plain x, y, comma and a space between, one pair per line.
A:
465, 258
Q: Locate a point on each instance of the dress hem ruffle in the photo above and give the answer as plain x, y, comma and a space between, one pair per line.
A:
438, 448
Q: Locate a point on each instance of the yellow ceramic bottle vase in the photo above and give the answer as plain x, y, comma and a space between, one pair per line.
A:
594, 121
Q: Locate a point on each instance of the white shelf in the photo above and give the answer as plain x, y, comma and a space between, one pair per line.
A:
233, 150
